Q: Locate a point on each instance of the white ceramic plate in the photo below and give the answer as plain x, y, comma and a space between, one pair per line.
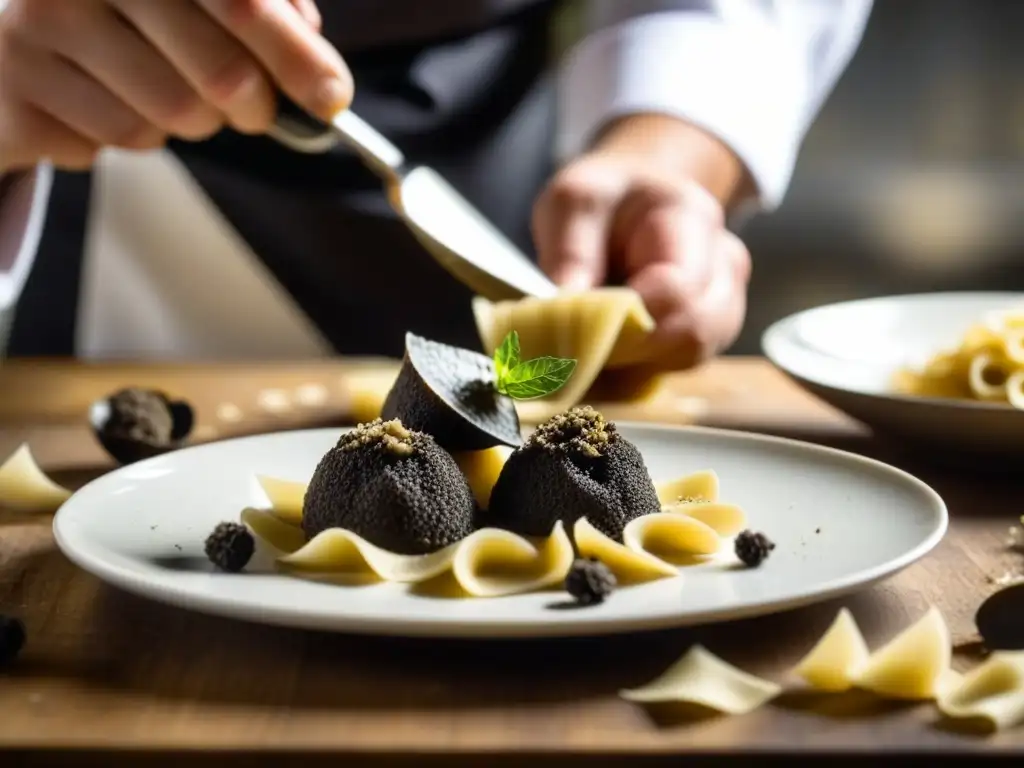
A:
840, 522
847, 354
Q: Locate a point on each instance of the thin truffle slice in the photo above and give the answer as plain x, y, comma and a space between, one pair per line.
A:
449, 392
574, 465
392, 486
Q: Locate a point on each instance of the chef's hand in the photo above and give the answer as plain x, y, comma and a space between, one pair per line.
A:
78, 75
644, 208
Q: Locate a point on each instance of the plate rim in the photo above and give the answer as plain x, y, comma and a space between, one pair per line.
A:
122, 578
781, 333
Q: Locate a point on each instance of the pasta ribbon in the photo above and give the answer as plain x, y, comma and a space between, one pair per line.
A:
629, 565
24, 487
602, 329
835, 661
992, 692
487, 563
286, 497
702, 678
697, 486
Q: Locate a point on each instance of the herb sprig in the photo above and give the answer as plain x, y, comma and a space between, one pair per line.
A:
528, 379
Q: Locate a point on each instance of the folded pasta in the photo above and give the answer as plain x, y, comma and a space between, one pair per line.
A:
491, 562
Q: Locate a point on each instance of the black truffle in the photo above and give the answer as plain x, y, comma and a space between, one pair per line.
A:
134, 423
230, 546
12, 639
589, 581
752, 548
449, 393
575, 465
395, 487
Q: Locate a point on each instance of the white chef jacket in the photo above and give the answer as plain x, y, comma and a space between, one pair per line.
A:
752, 72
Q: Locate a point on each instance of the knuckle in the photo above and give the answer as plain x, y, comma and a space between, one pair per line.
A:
242, 13
42, 20
571, 190
231, 80
186, 115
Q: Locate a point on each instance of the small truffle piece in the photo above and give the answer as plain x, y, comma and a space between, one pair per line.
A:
12, 639
230, 546
575, 465
395, 487
134, 423
589, 581
753, 548
449, 393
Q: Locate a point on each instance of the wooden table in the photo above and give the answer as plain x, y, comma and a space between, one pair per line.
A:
108, 675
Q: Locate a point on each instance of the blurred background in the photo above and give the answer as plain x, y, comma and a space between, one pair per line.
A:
912, 178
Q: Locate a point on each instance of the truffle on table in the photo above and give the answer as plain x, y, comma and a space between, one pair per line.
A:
575, 465
136, 423
395, 487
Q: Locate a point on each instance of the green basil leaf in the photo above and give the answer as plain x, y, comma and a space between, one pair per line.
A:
506, 357
538, 377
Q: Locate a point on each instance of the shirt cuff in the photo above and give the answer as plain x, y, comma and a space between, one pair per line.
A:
22, 217
741, 81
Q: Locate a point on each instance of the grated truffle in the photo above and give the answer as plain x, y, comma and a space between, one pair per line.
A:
575, 465
393, 486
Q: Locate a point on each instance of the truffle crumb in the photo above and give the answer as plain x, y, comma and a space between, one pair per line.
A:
12, 639
753, 548
230, 546
391, 436
589, 581
581, 431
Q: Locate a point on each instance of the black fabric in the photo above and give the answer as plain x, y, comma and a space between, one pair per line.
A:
479, 110
44, 322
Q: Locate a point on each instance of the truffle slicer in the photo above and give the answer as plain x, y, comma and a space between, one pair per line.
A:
455, 233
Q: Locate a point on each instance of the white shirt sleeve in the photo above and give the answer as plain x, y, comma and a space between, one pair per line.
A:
752, 72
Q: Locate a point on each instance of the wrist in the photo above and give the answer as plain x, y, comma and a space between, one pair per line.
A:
681, 148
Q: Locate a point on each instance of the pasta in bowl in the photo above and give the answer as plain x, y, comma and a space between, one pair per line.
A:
987, 365
938, 370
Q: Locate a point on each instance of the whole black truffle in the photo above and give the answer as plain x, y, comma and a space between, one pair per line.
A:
12, 639
135, 423
449, 393
395, 487
752, 548
230, 546
575, 465
589, 581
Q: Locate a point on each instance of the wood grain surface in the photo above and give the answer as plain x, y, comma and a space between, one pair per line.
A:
111, 678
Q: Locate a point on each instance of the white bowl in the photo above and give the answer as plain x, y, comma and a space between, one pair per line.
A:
848, 353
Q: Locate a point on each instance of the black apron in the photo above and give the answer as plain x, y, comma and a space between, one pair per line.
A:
475, 102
